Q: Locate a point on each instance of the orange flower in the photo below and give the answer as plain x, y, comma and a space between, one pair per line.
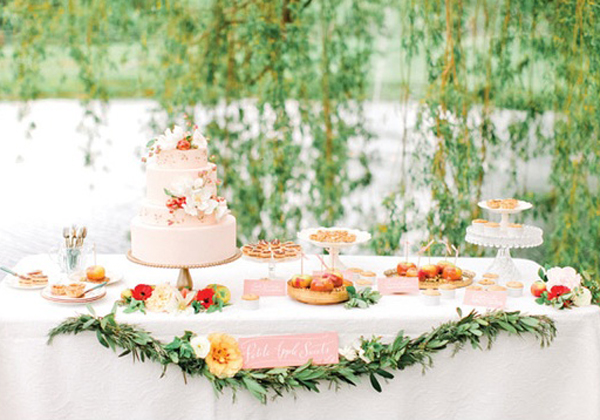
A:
225, 357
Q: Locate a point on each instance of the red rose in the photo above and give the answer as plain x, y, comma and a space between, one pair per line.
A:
557, 291
141, 292
183, 145
205, 297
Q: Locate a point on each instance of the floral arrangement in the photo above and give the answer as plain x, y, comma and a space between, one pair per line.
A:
561, 288
218, 359
166, 298
196, 196
177, 138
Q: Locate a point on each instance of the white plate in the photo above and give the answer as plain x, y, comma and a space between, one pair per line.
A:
522, 205
361, 237
13, 282
113, 276
90, 297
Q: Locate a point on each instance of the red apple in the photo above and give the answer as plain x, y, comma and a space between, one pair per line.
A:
301, 281
443, 264
321, 285
335, 277
95, 272
537, 288
452, 273
403, 267
430, 271
412, 272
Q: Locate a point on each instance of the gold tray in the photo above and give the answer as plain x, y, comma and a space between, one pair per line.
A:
467, 279
311, 297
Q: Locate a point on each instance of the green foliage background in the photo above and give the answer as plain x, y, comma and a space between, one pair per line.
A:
293, 77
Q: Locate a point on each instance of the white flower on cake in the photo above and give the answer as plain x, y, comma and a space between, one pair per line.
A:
582, 297
196, 197
169, 140
201, 346
179, 304
161, 296
565, 276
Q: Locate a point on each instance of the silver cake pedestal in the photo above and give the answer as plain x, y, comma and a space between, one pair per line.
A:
185, 278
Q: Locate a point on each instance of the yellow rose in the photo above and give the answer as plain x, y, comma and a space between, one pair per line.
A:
225, 357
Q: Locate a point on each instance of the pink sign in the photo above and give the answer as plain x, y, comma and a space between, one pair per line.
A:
289, 350
489, 299
265, 287
391, 285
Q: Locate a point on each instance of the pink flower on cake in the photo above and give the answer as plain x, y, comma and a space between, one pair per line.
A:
566, 276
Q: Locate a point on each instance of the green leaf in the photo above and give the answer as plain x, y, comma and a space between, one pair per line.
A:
384, 374
101, 338
374, 382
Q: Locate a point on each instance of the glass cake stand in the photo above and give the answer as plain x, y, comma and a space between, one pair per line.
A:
503, 264
334, 247
185, 278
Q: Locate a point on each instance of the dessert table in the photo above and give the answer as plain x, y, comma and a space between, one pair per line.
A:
76, 378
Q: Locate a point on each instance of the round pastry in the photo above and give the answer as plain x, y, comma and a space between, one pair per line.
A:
491, 229
447, 290
486, 283
476, 288
492, 276
250, 302
497, 288
431, 297
515, 288
478, 225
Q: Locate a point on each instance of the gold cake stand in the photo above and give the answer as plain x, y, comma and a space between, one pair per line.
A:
185, 278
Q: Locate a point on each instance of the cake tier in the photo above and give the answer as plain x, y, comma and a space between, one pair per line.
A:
160, 215
183, 245
182, 159
158, 178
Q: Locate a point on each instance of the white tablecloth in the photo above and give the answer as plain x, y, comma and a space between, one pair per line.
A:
77, 378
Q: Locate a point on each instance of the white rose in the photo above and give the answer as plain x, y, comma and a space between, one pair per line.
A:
566, 276
161, 296
201, 346
582, 297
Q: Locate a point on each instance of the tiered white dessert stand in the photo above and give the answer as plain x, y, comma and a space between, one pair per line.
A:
334, 247
503, 265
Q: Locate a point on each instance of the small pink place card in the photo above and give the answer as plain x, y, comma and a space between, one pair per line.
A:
488, 299
265, 287
289, 350
391, 285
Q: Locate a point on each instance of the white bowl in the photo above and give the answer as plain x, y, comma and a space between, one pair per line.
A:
430, 300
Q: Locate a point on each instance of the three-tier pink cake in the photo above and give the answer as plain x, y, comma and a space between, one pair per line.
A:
182, 220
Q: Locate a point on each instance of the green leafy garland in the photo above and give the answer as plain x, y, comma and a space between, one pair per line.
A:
376, 359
